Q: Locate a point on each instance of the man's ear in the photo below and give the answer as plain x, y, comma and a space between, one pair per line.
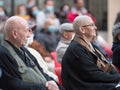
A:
81, 29
14, 33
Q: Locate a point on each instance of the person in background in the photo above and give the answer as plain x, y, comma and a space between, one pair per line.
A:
47, 36
43, 52
78, 9
1, 31
97, 45
47, 12
21, 11
67, 34
64, 9
38, 56
37, 14
20, 69
84, 67
3, 15
106, 47
116, 45
30, 4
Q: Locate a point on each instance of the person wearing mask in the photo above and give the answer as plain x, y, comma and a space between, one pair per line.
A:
47, 12
67, 34
64, 9
47, 36
38, 56
30, 4
79, 9
39, 16
21, 11
3, 15
84, 67
20, 69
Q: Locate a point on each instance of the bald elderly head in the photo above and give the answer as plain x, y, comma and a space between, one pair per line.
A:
14, 22
16, 31
81, 21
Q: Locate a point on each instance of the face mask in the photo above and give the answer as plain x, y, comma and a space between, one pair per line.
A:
29, 6
51, 28
49, 8
65, 11
30, 40
23, 13
35, 12
2, 13
73, 36
1, 3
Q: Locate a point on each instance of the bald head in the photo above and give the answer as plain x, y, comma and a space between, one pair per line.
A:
81, 21
16, 31
12, 23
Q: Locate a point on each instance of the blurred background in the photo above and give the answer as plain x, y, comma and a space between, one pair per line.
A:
105, 11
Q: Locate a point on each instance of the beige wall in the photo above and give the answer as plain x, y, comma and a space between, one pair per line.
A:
113, 9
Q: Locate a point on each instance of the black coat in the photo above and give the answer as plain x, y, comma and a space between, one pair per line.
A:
80, 72
116, 54
11, 78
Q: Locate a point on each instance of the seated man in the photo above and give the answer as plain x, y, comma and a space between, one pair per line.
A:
67, 34
84, 67
20, 69
38, 56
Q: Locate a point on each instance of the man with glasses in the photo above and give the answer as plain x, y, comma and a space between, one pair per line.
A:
84, 67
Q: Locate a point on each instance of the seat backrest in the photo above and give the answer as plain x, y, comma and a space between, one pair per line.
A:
58, 73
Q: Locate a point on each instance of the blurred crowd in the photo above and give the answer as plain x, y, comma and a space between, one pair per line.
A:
49, 30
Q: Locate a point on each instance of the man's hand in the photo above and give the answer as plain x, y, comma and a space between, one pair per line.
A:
51, 85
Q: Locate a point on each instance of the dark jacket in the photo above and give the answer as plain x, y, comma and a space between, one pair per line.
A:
116, 53
48, 40
80, 72
11, 78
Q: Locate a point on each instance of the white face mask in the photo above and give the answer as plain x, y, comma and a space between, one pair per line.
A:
30, 40
73, 36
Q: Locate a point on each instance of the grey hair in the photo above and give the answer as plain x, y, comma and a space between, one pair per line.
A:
116, 32
80, 21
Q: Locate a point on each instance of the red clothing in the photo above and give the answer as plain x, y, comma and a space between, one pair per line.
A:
73, 14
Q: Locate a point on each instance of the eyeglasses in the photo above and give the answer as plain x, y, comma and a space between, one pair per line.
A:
89, 25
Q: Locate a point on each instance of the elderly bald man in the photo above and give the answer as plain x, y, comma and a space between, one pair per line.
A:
20, 70
83, 66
